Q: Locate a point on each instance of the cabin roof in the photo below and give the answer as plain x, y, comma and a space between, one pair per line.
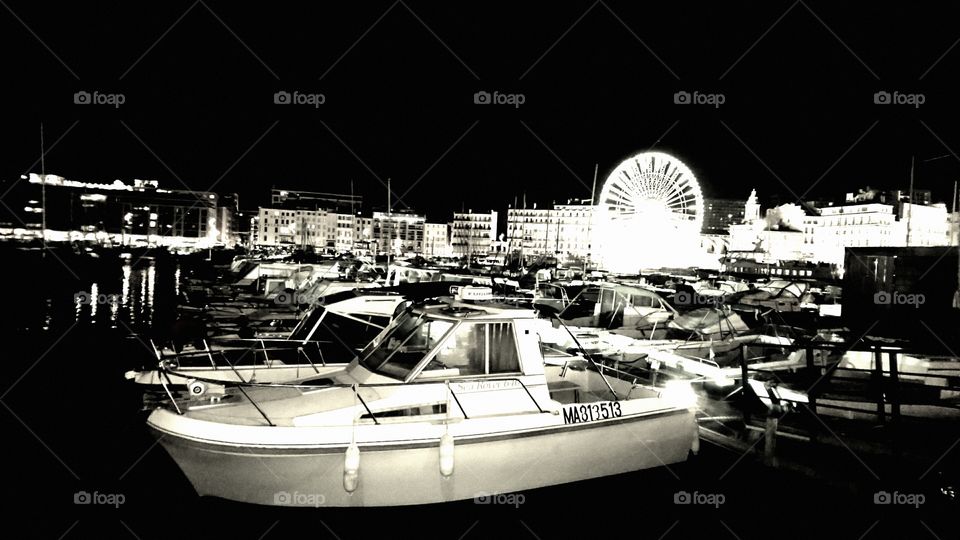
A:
487, 310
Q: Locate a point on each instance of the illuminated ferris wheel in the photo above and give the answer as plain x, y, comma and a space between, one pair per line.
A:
652, 185
649, 215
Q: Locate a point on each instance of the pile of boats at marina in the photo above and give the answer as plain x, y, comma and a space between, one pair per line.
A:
450, 385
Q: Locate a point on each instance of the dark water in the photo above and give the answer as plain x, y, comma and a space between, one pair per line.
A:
71, 423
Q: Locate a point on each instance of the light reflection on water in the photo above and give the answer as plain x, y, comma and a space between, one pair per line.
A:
129, 299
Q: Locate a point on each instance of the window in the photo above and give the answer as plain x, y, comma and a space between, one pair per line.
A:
478, 349
404, 346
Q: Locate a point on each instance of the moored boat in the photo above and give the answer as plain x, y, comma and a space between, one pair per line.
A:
447, 403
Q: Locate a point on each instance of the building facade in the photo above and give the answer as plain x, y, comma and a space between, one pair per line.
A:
473, 233
719, 214
135, 213
574, 227
562, 231
397, 232
297, 228
436, 240
529, 232
291, 198
821, 235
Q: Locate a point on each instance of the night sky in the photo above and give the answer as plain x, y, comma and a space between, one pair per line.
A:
598, 80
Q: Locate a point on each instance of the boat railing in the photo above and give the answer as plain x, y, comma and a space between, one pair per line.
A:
707, 361
305, 353
241, 385
883, 383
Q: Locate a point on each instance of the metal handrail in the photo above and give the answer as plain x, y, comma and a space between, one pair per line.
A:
222, 353
293, 345
166, 389
240, 384
883, 384
588, 357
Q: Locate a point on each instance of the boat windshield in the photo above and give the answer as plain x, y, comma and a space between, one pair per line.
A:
398, 351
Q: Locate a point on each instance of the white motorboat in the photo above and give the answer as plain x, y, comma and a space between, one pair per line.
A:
921, 386
329, 335
628, 310
447, 403
633, 326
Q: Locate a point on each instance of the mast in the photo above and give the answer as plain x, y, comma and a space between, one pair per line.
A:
593, 195
953, 210
953, 201
910, 208
390, 233
43, 193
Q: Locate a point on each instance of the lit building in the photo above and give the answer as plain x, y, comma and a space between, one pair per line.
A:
924, 225
473, 233
574, 225
436, 240
139, 213
954, 224
397, 232
561, 231
920, 196
228, 215
744, 236
248, 227
354, 234
800, 233
529, 231
719, 214
296, 227
289, 198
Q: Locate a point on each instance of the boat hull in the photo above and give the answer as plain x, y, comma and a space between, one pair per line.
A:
409, 474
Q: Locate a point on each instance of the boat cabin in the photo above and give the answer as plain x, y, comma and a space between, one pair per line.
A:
465, 359
630, 310
483, 350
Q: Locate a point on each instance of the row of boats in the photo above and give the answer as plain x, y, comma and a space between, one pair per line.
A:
440, 388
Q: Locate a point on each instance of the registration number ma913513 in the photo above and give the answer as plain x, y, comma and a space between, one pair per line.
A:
591, 412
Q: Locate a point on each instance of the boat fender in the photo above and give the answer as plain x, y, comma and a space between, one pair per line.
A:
695, 445
446, 455
197, 388
351, 468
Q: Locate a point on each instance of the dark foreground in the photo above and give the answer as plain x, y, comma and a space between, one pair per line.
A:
73, 426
